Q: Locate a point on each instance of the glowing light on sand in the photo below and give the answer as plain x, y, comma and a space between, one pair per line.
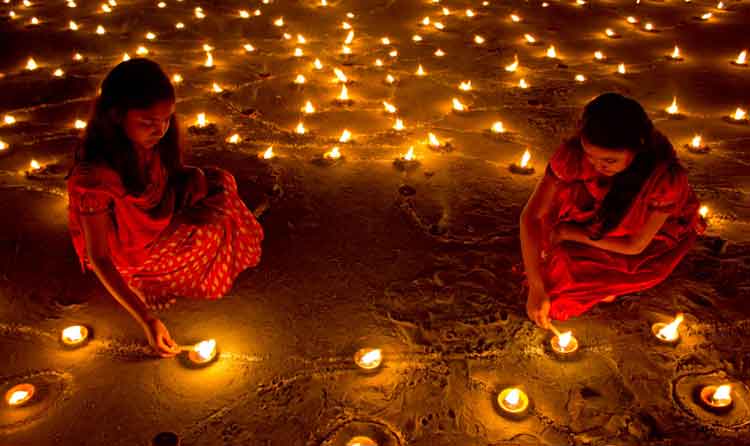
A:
300, 129
669, 332
209, 62
234, 139
439, 53
523, 84
31, 64
739, 114
598, 55
345, 137
74, 335
368, 359
420, 71
34, 165
621, 68
465, 86
580, 78
333, 154
79, 124
478, 39
300, 79
741, 58
551, 52
514, 66
673, 109
9, 119
200, 120
268, 154
389, 108
398, 125
513, 400
19, 394
457, 105
529, 38
203, 351
497, 127
308, 108
703, 211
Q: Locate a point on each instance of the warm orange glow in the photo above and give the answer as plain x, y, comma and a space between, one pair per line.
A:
268, 154
514, 66
529, 38
200, 120
673, 109
34, 165
344, 95
433, 140
696, 142
409, 155
334, 154
551, 52
420, 71
741, 58
703, 211
204, 351
398, 125
340, 76
739, 114
390, 108
723, 395
345, 137
369, 358
465, 86
458, 106
9, 119
19, 394
497, 127
74, 335
523, 84
478, 39
300, 129
675, 53
308, 108
670, 331
31, 64
525, 159
621, 68
513, 397
580, 78
234, 139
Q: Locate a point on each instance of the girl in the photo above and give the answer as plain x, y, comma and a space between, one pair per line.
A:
150, 227
613, 214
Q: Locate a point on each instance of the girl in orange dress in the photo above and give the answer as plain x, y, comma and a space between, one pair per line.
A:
150, 227
614, 213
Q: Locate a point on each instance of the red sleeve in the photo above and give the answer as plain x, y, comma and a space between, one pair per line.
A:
669, 189
565, 164
91, 190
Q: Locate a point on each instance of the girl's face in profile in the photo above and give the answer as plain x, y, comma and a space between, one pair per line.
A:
146, 126
608, 162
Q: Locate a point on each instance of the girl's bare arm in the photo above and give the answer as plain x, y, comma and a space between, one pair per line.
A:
532, 217
629, 245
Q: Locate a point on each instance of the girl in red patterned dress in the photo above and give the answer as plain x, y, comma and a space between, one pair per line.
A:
150, 227
614, 213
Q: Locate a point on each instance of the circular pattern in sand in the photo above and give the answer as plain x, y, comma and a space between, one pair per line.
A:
685, 390
51, 387
362, 432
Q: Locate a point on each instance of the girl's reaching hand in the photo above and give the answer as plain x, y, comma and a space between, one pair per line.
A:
537, 306
160, 340
196, 187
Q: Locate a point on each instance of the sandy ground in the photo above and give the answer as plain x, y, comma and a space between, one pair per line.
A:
418, 263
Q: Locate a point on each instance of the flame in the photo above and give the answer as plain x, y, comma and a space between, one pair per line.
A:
409, 156
390, 79
150, 36
179, 25
200, 120
73, 334
465, 86
248, 47
268, 154
35, 165
525, 159
385, 41
333, 154
216, 88
523, 84
669, 332
346, 136
563, 341
279, 21
458, 106
741, 58
433, 140
703, 211
478, 39
3, 145
205, 349
209, 60
234, 139
439, 25
298, 52
177, 78
673, 109
308, 108
340, 76
378, 63
598, 55
393, 53
300, 129
399, 125
469, 13
416, 38
621, 68
420, 71
301, 39
514, 66
426, 21
372, 357
551, 53
9, 119
346, 25
244, 14
78, 56
344, 95
349, 38
439, 53
515, 18
739, 114
720, 5
79, 124
317, 64
125, 57
141, 51
513, 397
696, 142
632, 20
529, 38
707, 16
300, 79
497, 127
31, 64
580, 78
73, 26
676, 52
17, 397
649, 26
446, 11
100, 30
722, 395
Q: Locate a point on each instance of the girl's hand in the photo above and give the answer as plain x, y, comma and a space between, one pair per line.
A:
195, 189
537, 306
159, 338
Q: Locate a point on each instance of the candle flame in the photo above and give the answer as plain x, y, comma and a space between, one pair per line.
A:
409, 156
621, 68
433, 140
632, 20
35, 165
300, 79
79, 124
551, 52
3, 145
723, 394
390, 79
525, 159
31, 64
420, 71
478, 39
333, 154
349, 38
200, 120
580, 78
649, 26
515, 18
497, 127
707, 16
609, 32
371, 357
309, 108
344, 95
346, 136
563, 341
268, 154
598, 55
469, 13
340, 76
216, 88
73, 333
17, 396
741, 58
739, 114
9, 119
399, 125
696, 142
523, 84
703, 211
317, 64
514, 66
234, 139
209, 60
529, 38
676, 52
465, 86
673, 109
513, 397
458, 106
205, 349
300, 129
669, 332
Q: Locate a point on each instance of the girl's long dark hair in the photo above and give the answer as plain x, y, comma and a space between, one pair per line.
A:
133, 84
615, 122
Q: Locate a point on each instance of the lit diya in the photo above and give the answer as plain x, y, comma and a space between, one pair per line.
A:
697, 145
435, 144
74, 336
563, 344
330, 157
368, 358
19, 394
668, 333
741, 60
203, 352
202, 126
523, 167
406, 161
361, 441
513, 401
738, 117
717, 398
